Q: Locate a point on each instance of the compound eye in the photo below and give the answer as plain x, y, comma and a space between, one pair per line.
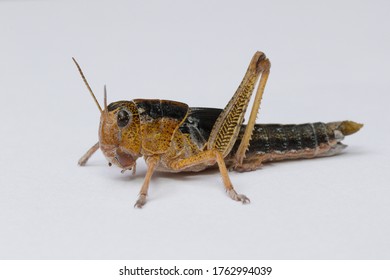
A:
123, 118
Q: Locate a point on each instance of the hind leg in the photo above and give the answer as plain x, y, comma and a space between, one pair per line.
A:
248, 166
244, 144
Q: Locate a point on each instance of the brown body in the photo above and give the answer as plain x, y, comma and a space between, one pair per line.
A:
173, 137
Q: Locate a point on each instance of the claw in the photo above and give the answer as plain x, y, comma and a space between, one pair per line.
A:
238, 197
140, 202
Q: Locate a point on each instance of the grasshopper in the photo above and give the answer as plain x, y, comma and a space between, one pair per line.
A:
173, 137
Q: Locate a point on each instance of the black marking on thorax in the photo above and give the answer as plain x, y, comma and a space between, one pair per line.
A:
156, 108
199, 123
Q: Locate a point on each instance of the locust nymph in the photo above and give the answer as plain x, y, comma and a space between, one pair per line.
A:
173, 137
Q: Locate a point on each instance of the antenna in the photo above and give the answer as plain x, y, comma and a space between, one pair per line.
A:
86, 83
105, 98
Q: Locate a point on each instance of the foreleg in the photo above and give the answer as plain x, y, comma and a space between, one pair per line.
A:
152, 163
83, 160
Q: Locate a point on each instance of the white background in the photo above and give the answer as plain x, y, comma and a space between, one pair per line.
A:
330, 62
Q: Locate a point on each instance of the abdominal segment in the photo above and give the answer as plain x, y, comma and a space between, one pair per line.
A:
272, 142
275, 142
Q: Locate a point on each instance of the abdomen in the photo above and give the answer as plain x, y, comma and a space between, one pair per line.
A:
274, 142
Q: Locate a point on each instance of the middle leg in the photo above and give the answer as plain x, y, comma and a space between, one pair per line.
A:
210, 157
